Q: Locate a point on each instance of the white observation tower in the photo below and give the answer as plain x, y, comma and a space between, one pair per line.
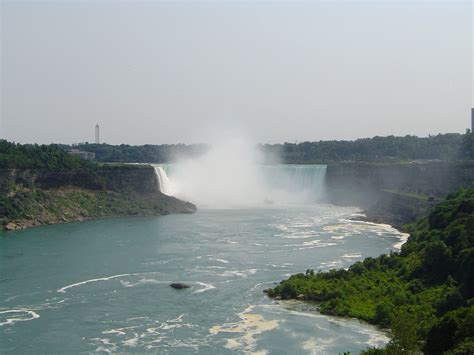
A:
97, 136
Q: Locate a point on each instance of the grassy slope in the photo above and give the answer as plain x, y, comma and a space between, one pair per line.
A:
425, 294
27, 206
30, 207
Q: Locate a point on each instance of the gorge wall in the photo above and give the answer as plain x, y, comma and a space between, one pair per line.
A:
395, 192
135, 178
32, 197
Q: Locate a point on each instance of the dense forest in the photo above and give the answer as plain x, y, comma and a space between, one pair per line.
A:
141, 154
53, 157
442, 147
424, 294
40, 157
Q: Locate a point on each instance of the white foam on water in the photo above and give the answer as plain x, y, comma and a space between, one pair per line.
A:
28, 312
315, 346
107, 278
249, 327
220, 260
320, 245
358, 215
177, 319
132, 342
403, 239
118, 331
312, 242
376, 337
142, 282
206, 287
352, 256
63, 289
332, 264
238, 273
105, 345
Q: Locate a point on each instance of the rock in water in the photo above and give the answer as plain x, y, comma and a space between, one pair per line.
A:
179, 286
11, 226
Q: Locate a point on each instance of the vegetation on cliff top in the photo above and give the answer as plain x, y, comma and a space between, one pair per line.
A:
27, 208
425, 293
391, 148
442, 146
39, 157
141, 154
24, 203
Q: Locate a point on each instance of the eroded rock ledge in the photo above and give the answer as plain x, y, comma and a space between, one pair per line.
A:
33, 198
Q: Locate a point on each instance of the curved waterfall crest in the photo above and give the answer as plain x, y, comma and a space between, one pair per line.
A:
259, 185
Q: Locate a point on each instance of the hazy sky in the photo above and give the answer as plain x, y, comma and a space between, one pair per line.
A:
182, 71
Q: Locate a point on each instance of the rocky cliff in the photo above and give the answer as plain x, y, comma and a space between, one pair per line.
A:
395, 192
33, 197
136, 178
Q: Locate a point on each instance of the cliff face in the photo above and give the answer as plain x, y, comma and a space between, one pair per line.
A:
137, 178
140, 179
31, 198
396, 192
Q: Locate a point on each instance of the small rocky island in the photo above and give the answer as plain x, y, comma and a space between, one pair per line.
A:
179, 286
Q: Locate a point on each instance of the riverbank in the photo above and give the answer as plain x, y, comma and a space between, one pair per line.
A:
395, 193
33, 198
124, 266
398, 209
418, 293
70, 204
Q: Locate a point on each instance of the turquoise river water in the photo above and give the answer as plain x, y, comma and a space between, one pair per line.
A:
103, 286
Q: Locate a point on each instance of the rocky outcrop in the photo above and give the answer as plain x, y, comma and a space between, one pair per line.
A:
133, 178
398, 208
179, 286
32, 198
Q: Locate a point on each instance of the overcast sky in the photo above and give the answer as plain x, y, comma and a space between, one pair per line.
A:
183, 71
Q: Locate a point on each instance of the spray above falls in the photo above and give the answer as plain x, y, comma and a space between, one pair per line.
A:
230, 176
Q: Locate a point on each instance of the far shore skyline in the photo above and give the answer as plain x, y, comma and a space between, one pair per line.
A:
250, 142
159, 72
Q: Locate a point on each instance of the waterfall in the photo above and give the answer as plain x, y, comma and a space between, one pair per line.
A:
242, 186
162, 180
295, 182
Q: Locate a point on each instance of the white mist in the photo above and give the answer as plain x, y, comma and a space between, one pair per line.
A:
229, 176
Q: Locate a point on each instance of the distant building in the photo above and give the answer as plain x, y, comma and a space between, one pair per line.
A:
97, 134
81, 154
472, 119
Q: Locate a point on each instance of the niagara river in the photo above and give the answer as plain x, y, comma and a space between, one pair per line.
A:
103, 286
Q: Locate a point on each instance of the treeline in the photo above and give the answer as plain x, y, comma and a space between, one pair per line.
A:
141, 154
40, 157
54, 157
424, 294
440, 147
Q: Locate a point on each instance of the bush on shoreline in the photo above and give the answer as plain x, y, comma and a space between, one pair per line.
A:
424, 294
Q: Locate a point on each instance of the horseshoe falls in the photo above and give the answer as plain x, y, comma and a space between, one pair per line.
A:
103, 286
256, 186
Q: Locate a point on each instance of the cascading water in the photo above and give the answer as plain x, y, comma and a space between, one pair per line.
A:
259, 185
294, 183
162, 180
